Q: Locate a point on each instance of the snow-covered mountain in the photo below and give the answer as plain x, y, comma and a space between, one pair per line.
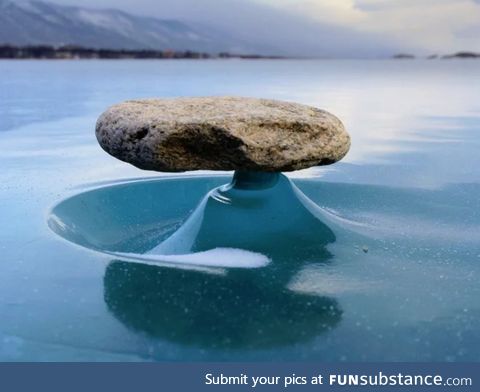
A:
39, 22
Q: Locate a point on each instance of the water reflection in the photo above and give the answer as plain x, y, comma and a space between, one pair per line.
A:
242, 309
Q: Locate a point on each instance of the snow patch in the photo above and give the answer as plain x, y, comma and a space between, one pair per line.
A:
218, 257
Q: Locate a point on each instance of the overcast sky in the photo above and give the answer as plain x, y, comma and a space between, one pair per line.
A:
332, 27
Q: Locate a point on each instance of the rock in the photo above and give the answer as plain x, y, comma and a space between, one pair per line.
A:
221, 133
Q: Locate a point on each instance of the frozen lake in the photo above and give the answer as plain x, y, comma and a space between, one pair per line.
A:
409, 187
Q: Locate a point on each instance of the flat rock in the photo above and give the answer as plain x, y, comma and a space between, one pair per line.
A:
221, 133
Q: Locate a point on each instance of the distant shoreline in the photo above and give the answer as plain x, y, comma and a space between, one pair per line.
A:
458, 55
44, 52
73, 52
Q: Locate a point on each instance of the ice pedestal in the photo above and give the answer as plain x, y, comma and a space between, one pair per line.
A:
258, 212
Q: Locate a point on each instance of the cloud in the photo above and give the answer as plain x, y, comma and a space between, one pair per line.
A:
440, 25
418, 25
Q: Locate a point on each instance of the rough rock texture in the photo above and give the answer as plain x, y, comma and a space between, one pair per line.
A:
221, 133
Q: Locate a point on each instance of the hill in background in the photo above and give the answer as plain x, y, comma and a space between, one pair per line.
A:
42, 23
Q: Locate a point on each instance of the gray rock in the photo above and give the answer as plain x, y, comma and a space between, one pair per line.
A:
221, 133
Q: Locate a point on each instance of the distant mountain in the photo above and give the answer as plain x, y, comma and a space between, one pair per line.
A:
42, 23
